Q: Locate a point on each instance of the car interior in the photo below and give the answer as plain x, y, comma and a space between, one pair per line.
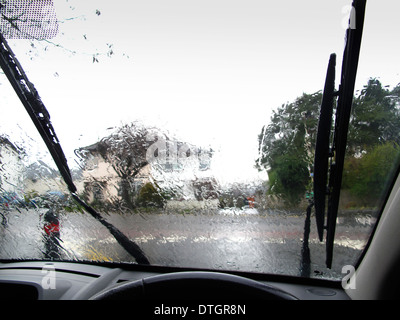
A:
374, 276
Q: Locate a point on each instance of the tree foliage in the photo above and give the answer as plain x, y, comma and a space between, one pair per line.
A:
373, 143
287, 144
375, 117
366, 177
150, 195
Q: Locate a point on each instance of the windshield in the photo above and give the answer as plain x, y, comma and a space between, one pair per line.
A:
190, 127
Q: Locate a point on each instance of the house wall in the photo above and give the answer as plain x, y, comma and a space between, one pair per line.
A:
42, 186
11, 170
101, 182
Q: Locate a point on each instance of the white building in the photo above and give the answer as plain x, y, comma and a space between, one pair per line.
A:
173, 166
11, 167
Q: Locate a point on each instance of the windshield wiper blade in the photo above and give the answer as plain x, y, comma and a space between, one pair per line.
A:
334, 166
41, 118
29, 97
323, 148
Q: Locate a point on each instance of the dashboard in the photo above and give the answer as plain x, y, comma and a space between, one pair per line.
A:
41, 280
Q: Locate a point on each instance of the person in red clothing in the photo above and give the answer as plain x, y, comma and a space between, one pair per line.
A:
251, 200
51, 235
52, 228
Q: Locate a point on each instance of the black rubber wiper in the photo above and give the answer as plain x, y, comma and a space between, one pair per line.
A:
323, 150
330, 148
41, 118
35, 108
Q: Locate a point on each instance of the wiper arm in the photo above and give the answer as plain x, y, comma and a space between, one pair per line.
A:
41, 118
334, 165
29, 97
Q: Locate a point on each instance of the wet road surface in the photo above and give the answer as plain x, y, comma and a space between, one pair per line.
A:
248, 241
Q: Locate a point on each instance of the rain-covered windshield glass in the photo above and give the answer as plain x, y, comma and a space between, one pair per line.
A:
190, 127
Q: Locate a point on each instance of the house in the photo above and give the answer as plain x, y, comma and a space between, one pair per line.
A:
40, 178
100, 180
11, 167
174, 166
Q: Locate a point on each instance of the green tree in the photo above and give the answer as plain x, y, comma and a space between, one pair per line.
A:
366, 177
150, 195
287, 144
289, 177
373, 142
375, 117
287, 147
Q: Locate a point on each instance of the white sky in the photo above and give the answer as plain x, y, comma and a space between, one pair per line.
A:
212, 71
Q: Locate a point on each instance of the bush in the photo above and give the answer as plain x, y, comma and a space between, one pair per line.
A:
150, 196
366, 177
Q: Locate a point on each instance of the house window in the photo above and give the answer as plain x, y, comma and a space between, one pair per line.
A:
97, 189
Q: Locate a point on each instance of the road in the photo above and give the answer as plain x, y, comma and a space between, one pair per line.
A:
227, 240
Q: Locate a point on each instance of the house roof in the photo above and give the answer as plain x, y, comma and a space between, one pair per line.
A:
6, 142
